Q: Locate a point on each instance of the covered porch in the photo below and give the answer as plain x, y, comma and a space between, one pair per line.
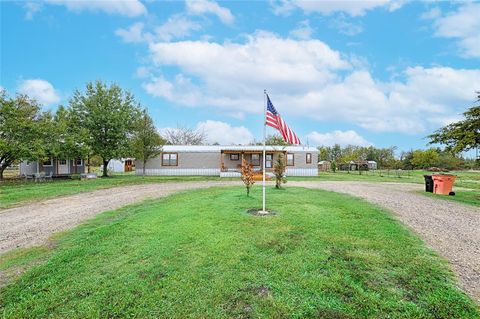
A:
231, 161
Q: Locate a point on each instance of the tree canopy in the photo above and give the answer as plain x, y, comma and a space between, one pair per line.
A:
108, 114
463, 135
184, 136
21, 127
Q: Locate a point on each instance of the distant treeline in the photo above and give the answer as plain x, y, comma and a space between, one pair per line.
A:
386, 159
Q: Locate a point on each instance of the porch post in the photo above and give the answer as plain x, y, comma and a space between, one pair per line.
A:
221, 162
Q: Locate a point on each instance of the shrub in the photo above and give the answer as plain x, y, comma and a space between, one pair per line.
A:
247, 175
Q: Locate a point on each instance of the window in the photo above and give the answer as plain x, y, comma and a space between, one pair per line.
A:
28, 163
169, 159
290, 159
47, 162
269, 161
78, 162
234, 157
62, 162
256, 159
309, 158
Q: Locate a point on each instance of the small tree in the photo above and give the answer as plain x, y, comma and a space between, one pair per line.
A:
247, 175
146, 143
279, 171
334, 166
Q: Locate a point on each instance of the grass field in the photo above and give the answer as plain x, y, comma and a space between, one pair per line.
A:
199, 254
18, 193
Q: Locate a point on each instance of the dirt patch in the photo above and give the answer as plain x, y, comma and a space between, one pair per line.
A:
260, 212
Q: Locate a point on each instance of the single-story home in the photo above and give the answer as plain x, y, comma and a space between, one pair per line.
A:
225, 161
56, 167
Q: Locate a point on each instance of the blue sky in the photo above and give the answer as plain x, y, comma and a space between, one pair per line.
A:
349, 72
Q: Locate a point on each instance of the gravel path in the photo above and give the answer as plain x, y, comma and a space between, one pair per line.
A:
450, 228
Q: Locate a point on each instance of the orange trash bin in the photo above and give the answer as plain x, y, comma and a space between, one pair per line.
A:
443, 183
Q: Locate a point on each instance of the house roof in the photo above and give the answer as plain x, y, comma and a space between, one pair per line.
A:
219, 148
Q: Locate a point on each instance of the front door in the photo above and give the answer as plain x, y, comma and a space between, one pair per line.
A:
62, 167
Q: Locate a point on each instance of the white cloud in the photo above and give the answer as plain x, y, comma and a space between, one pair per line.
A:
177, 26
219, 132
128, 8
225, 134
303, 31
31, 8
133, 34
241, 71
41, 90
337, 137
306, 78
327, 7
344, 26
200, 7
462, 24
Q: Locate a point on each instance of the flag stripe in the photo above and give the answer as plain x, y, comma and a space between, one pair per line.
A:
274, 120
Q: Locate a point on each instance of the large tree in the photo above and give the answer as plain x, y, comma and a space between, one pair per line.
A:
22, 127
65, 138
146, 143
463, 135
109, 114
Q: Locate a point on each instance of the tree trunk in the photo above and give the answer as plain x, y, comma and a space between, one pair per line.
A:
105, 168
2, 169
143, 168
88, 164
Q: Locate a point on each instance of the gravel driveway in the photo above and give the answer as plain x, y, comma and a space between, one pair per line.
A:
450, 228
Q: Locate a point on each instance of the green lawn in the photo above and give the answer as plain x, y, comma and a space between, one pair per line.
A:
199, 255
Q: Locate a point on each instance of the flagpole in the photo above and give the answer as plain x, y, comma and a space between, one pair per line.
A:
264, 146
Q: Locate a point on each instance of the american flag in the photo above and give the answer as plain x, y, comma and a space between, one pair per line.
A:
275, 120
